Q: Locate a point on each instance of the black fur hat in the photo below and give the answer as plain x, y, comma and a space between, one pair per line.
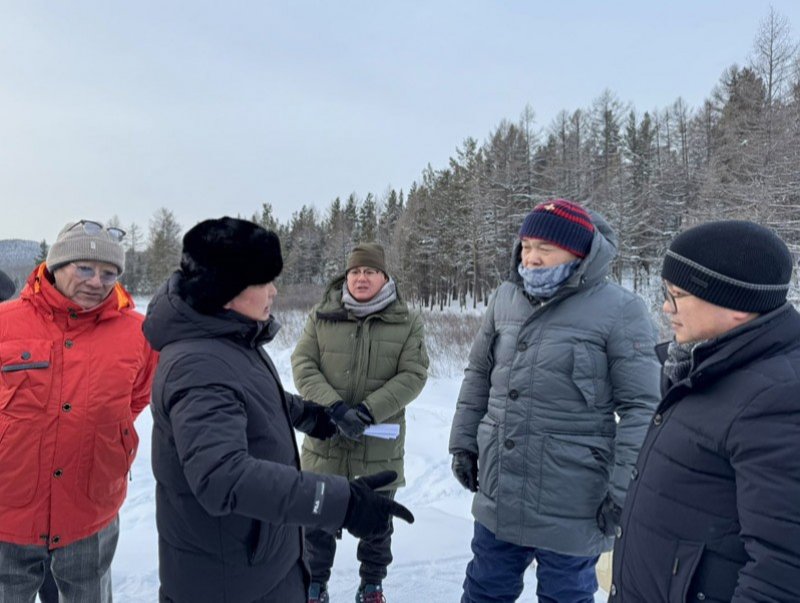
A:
224, 256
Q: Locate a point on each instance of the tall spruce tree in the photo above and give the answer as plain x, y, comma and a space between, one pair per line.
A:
164, 248
44, 249
368, 219
135, 261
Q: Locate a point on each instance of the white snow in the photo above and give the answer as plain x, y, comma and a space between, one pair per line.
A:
429, 556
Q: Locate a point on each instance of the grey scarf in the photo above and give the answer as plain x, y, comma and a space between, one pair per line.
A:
679, 360
382, 299
544, 282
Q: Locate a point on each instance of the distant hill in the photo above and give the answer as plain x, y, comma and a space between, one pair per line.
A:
17, 258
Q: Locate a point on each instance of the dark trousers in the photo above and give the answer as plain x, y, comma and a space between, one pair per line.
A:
375, 554
495, 574
292, 589
48, 593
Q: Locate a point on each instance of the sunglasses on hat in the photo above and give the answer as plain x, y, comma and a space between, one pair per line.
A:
92, 228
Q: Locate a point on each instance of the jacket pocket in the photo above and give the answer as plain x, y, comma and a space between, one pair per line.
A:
25, 373
382, 361
7, 393
266, 536
19, 463
575, 473
378, 450
114, 450
488, 457
684, 566
590, 373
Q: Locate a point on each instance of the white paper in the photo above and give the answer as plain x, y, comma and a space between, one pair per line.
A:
384, 431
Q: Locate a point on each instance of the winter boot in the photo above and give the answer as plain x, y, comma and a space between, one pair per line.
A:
370, 593
318, 593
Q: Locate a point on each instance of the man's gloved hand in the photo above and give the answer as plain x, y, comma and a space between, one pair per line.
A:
465, 468
368, 513
315, 421
608, 516
351, 422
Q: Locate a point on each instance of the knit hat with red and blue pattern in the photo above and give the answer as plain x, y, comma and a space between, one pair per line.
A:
561, 222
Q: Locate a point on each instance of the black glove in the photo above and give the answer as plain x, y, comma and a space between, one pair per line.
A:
315, 421
465, 468
608, 516
351, 422
368, 513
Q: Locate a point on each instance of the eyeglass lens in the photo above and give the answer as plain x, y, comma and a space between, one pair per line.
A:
669, 297
87, 272
369, 272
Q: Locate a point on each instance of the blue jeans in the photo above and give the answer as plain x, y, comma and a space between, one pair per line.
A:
495, 573
81, 570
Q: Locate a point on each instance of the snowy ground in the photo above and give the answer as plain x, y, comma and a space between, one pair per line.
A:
429, 556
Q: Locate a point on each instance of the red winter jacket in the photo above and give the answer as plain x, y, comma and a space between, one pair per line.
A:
71, 383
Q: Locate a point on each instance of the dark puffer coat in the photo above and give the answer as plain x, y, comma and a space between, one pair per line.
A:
713, 510
230, 496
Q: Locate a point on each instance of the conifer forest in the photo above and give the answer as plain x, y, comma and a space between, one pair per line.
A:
651, 172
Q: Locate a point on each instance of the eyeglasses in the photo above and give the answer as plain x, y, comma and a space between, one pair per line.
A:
368, 272
84, 273
92, 228
671, 297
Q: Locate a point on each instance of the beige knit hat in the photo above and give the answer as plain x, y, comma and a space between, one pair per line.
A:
86, 240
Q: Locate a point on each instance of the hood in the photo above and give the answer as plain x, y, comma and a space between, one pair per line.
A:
593, 268
170, 319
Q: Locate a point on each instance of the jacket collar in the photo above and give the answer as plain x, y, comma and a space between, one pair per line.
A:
592, 269
42, 293
768, 335
170, 319
331, 307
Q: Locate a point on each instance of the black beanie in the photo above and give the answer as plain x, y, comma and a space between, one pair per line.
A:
735, 264
222, 257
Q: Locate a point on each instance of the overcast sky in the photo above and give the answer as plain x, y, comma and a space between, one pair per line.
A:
211, 108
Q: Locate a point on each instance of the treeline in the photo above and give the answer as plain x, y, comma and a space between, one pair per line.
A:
650, 173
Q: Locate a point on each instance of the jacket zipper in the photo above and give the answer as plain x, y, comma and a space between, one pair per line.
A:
352, 388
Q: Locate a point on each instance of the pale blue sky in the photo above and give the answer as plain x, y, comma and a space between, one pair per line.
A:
212, 108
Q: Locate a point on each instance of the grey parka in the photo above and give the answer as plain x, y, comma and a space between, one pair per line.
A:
538, 400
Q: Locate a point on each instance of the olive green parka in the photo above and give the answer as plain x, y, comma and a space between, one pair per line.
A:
379, 360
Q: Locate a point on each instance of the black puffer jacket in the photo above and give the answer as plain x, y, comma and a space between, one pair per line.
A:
713, 510
230, 498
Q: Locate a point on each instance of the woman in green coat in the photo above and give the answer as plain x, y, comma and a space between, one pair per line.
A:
363, 354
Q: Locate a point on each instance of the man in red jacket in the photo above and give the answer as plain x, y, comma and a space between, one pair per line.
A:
75, 371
